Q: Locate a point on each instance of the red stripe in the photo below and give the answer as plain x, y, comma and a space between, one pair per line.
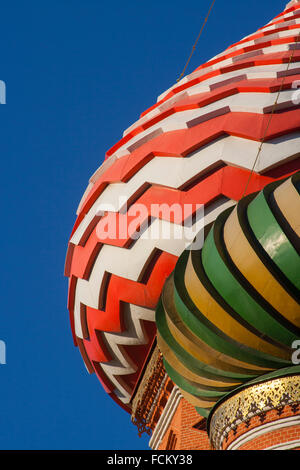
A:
182, 142
259, 35
294, 17
205, 98
204, 192
265, 59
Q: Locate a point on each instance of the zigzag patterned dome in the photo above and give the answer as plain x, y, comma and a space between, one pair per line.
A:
231, 311
197, 145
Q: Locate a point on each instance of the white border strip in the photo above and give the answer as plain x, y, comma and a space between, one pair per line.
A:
285, 446
265, 428
165, 418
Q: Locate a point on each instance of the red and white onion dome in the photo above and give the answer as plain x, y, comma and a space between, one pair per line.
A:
199, 144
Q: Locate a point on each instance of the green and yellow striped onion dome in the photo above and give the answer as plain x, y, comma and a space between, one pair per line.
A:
230, 312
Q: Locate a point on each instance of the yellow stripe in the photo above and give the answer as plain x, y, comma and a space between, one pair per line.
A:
195, 346
253, 269
222, 320
198, 402
172, 359
288, 201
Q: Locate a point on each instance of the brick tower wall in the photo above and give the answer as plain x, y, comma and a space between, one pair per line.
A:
181, 435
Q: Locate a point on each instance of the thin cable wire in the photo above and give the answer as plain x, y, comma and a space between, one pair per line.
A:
271, 116
194, 46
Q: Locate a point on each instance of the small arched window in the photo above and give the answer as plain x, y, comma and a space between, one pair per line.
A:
172, 440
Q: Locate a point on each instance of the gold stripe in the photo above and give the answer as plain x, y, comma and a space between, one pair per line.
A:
198, 402
172, 359
222, 320
288, 201
250, 265
195, 346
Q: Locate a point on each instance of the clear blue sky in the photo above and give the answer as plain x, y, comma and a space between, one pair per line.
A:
77, 74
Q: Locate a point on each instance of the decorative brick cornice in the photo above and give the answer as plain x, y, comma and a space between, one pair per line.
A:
262, 402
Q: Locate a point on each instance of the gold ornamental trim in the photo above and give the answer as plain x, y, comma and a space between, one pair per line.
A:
252, 401
149, 394
152, 365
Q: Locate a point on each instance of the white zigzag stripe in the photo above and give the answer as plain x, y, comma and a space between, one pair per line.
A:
272, 26
122, 365
231, 150
265, 71
127, 263
270, 37
135, 335
241, 102
204, 71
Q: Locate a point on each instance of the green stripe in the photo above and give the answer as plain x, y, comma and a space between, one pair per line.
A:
172, 314
273, 239
190, 362
198, 267
203, 412
233, 287
192, 387
208, 332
